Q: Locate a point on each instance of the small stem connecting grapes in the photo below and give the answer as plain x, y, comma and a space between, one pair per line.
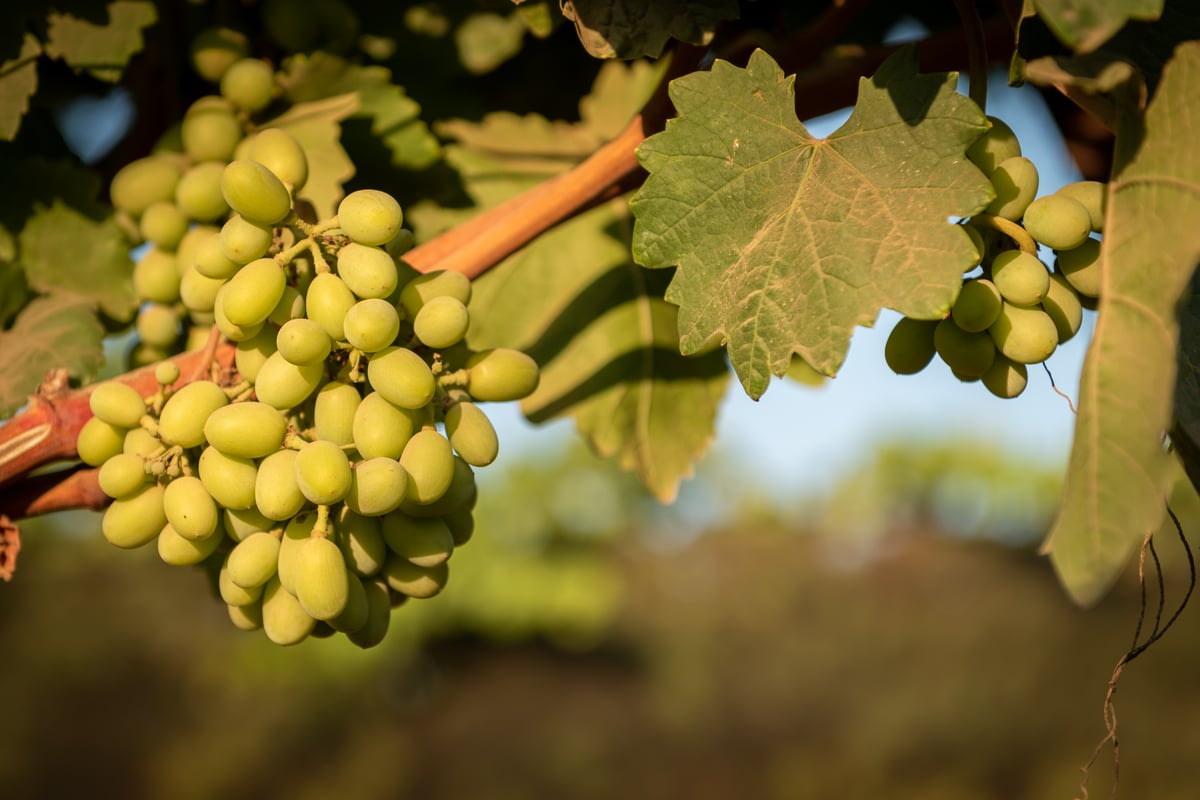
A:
1010, 229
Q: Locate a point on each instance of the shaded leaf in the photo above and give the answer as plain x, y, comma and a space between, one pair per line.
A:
14, 292
633, 28
1118, 474
316, 126
487, 40
1185, 433
18, 82
786, 242
101, 50
58, 331
1084, 25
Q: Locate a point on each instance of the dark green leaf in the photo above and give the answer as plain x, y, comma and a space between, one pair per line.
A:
18, 82
1185, 433
634, 28
58, 331
1084, 25
101, 50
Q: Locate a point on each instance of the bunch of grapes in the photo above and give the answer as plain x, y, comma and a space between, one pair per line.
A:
1012, 310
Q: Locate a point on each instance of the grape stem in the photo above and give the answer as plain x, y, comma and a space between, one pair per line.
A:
1010, 229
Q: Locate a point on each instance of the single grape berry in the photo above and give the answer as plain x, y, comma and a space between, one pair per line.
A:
370, 217
977, 306
214, 50
441, 322
1024, 335
253, 191
248, 83
1020, 277
909, 347
1092, 195
278, 151
994, 147
1016, 183
141, 183
1058, 221
501, 374
1081, 267
969, 355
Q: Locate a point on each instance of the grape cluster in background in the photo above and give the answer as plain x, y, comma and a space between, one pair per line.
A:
1012, 310
330, 476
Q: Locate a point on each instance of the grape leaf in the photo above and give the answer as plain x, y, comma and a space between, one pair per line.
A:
315, 124
1185, 433
101, 50
633, 28
786, 242
14, 292
1084, 25
60, 331
18, 82
1118, 473
486, 40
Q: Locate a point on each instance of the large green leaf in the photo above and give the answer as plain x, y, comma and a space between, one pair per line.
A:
57, 331
1118, 474
1084, 25
316, 126
786, 242
18, 82
635, 28
102, 50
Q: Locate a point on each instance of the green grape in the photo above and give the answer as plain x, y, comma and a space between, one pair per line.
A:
118, 403
367, 271
229, 479
246, 429
252, 353
214, 50
361, 540
354, 615
276, 492
323, 472
501, 374
141, 442
471, 434
185, 253
144, 182
231, 331
254, 192
156, 277
439, 283
977, 243
166, 373
190, 509
370, 217
371, 324
1081, 267
425, 542
461, 523
1005, 378
379, 615
414, 581
248, 84
381, 429
994, 147
253, 561
198, 193
429, 462
302, 341
1063, 306
378, 486
327, 301
252, 294
157, 325
1024, 335
285, 385
967, 354
246, 618
441, 322
321, 580
211, 261
234, 594
243, 241
163, 224
122, 475
333, 414
289, 307
977, 306
402, 377
278, 151
1058, 221
210, 131
1016, 183
136, 519
177, 551
199, 293
1092, 195
1021, 278
909, 347
241, 522
295, 534
143, 354
99, 441
461, 494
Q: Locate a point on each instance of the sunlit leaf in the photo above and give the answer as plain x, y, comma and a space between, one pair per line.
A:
18, 82
101, 50
58, 331
1084, 25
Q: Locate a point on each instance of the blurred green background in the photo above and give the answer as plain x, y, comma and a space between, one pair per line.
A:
898, 637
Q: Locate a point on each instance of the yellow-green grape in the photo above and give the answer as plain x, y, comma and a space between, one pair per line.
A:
190, 509
354, 615
425, 542
461, 523
1024, 335
440, 283
253, 561
302, 341
246, 430
402, 377
441, 322
1081, 267
295, 533
276, 492
368, 271
158, 326
156, 277
1016, 183
382, 429
214, 50
185, 412
118, 403
462, 494
334, 410
1058, 221
1021, 278
144, 182
967, 354
977, 306
378, 486
163, 224
122, 475
141, 442
429, 462
997, 145
327, 301
143, 354
909, 347
1092, 195
284, 385
379, 615
254, 192
252, 353
321, 581
249, 84
284, 620
210, 131
246, 618
471, 434
185, 253
1063, 306
253, 292
211, 261
370, 217
230, 330
243, 241
229, 479
136, 519
197, 335
372, 324
289, 307
501, 374
278, 151
322, 472
1005, 378
361, 540
241, 522
166, 373
414, 581
177, 551
198, 193
198, 292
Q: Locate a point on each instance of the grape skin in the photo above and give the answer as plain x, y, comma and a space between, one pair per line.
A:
327, 302
1058, 221
1021, 278
1093, 196
998, 144
285, 385
412, 580
361, 540
323, 472
117, 403
1024, 335
967, 354
371, 325
402, 377
370, 217
1005, 378
156, 277
253, 292
302, 341
210, 132
276, 492
381, 429
378, 486
190, 509
429, 462
1081, 267
333, 415
321, 581
229, 479
439, 283
284, 620
1063, 306
253, 561
976, 308
379, 615
501, 374
1016, 183
185, 412
254, 192
177, 551
471, 434
214, 50
242, 241
247, 429
909, 347
368, 271
425, 542
122, 475
249, 84
198, 193
141, 183
278, 151
135, 520
354, 615
441, 322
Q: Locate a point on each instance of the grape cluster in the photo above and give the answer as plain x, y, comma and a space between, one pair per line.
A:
1012, 310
